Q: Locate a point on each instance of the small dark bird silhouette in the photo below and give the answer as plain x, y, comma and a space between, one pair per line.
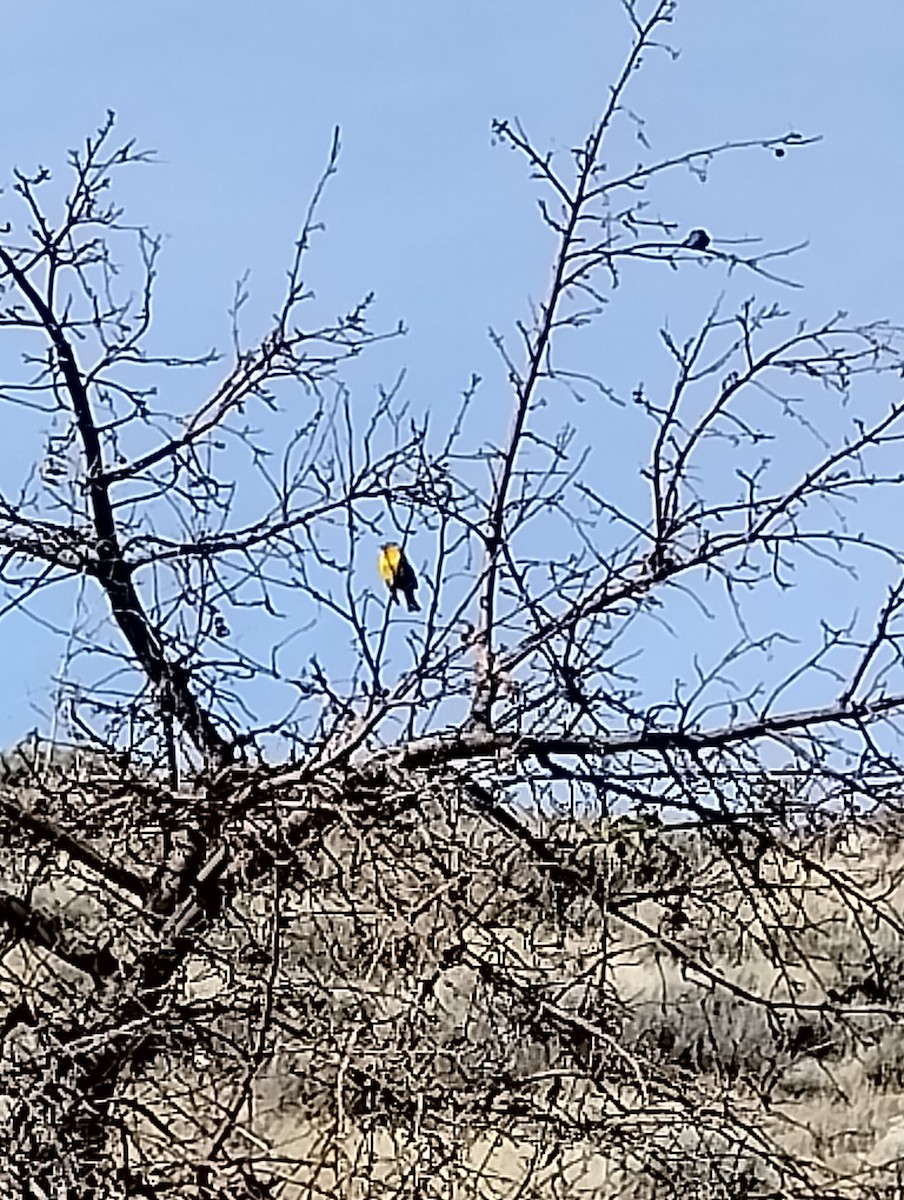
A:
697, 239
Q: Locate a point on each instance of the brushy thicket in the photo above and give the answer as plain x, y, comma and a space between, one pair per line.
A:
495, 898
424, 1010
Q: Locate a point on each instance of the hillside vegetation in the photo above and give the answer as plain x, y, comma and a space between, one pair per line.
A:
425, 1010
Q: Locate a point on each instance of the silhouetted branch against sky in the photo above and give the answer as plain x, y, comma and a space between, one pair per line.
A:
560, 520
591, 392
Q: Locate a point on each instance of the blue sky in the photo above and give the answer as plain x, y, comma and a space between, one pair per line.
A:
240, 101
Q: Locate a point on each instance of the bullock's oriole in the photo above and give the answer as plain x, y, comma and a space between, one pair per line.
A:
398, 574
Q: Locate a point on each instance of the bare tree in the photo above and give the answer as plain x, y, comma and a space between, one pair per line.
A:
426, 904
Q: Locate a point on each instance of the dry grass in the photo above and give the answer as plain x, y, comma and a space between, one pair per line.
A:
470, 1013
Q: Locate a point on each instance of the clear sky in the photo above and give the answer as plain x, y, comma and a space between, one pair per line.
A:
240, 100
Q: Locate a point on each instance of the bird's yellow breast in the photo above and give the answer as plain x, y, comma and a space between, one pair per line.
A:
390, 557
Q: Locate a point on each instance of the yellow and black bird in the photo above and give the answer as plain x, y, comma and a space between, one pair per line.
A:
398, 574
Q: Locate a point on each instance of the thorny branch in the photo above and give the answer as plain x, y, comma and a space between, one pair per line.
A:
409, 867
